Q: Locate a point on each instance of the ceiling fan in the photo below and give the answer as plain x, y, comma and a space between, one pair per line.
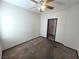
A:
43, 4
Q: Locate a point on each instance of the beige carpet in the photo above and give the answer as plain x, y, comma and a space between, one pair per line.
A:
40, 48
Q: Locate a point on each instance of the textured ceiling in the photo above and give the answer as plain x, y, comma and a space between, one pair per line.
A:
28, 4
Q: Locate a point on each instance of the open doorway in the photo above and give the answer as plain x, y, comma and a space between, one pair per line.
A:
51, 29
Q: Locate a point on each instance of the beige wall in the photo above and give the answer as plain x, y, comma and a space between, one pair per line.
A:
67, 27
18, 25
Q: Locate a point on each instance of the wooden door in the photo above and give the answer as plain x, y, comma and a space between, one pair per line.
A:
51, 29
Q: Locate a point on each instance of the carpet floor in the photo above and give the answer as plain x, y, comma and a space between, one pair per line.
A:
39, 48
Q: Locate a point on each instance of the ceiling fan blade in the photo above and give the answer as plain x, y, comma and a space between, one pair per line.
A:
34, 1
47, 1
49, 7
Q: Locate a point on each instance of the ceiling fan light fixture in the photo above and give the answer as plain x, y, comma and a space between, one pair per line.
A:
43, 4
43, 7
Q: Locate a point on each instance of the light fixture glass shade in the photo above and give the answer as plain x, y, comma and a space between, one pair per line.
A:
43, 8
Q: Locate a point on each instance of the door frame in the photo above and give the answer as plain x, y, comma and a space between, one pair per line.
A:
55, 27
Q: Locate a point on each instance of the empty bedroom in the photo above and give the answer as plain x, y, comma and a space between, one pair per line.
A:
39, 29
